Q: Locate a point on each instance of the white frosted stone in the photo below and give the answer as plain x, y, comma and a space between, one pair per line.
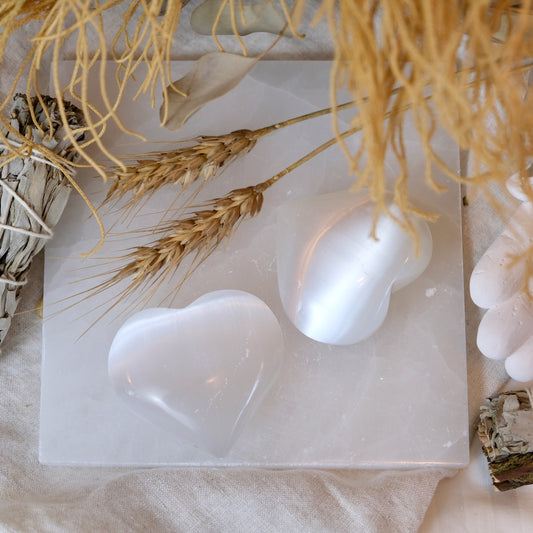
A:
335, 279
201, 371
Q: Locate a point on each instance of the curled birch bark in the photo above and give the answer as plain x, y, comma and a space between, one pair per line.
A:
33, 193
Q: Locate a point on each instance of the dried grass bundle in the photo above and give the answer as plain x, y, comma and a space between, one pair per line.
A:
417, 45
379, 46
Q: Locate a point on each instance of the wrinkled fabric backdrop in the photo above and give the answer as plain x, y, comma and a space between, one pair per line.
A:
40, 498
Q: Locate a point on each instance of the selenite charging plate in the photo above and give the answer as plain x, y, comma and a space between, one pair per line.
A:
397, 399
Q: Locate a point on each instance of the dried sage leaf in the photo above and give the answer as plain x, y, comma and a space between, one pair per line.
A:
211, 76
33, 193
249, 18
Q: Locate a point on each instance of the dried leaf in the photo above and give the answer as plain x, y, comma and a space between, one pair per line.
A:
212, 76
33, 191
250, 18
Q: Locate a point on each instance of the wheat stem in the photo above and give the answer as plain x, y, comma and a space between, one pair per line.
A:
268, 183
314, 114
204, 159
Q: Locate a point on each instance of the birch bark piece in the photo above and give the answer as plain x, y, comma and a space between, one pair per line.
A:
33, 194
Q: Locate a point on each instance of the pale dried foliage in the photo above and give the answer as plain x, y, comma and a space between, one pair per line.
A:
180, 168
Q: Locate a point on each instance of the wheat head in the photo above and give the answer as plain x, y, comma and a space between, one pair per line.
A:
182, 167
196, 236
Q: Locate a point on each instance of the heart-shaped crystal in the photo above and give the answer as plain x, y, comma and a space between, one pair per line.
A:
200, 371
335, 279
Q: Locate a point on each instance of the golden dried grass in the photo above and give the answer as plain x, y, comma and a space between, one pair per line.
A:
378, 47
469, 54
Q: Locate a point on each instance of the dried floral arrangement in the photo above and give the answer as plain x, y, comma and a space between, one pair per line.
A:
463, 65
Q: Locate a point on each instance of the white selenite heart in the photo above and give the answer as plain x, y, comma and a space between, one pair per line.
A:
334, 279
201, 371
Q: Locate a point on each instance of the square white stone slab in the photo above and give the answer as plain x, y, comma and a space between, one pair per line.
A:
398, 399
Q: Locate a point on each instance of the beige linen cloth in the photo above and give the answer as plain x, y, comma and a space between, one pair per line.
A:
71, 499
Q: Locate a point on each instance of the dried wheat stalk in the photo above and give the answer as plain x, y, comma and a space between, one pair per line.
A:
197, 235
33, 190
187, 166
181, 167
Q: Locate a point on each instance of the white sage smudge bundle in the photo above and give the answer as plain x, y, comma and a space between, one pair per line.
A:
33, 190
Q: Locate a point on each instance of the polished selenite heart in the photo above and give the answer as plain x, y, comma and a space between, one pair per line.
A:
334, 279
201, 371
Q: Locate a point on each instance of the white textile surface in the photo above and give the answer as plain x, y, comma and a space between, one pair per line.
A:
71, 499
